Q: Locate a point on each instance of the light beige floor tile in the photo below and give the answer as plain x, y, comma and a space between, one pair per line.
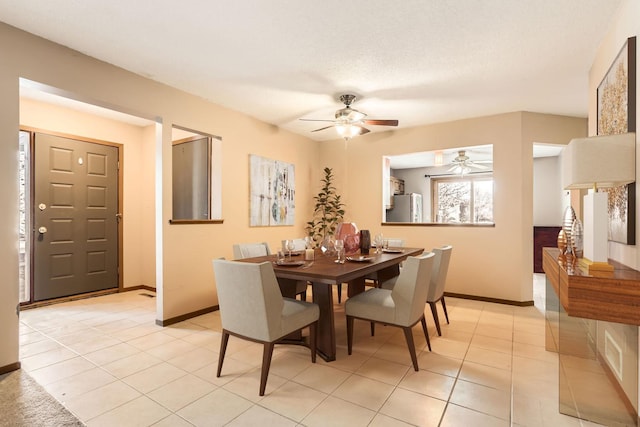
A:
414, 408
395, 353
101, 400
131, 364
527, 410
248, 384
111, 354
346, 362
287, 365
61, 370
456, 416
208, 339
483, 399
528, 338
177, 394
216, 408
173, 421
138, 412
322, 378
79, 384
428, 383
492, 343
337, 412
47, 358
156, 376
231, 369
489, 357
450, 348
93, 344
135, 332
148, 341
293, 400
504, 332
534, 352
364, 392
383, 370
171, 349
381, 420
440, 364
40, 346
183, 329
193, 360
486, 375
259, 416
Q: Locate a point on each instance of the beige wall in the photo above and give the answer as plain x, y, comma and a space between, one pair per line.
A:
493, 262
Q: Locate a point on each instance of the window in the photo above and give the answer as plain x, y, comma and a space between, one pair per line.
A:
466, 199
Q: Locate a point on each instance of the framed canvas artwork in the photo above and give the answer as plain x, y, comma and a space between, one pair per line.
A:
616, 114
272, 192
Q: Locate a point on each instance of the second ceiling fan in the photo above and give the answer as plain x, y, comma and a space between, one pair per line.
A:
350, 122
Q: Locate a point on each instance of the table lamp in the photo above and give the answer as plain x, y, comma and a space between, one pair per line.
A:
592, 163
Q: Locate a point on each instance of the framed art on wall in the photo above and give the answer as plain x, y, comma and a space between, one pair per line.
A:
616, 114
272, 192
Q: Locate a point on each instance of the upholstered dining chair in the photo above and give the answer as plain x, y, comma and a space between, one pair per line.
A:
437, 283
252, 308
250, 250
402, 306
298, 244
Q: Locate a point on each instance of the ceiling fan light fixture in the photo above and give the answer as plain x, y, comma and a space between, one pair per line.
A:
348, 131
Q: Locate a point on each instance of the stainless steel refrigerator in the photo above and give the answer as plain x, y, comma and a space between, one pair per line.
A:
406, 208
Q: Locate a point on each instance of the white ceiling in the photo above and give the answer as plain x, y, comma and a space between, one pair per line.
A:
418, 61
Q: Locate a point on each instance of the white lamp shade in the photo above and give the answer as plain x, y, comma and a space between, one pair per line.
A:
608, 161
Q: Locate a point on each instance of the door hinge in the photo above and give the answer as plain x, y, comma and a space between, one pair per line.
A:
118, 217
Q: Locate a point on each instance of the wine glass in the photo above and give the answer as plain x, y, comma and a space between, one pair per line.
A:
339, 246
289, 246
379, 241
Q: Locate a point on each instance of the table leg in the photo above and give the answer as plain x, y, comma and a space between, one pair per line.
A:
326, 333
388, 273
355, 287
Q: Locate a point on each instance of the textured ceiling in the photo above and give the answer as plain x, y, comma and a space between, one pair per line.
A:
418, 61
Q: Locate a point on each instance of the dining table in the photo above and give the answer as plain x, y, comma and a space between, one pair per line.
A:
324, 273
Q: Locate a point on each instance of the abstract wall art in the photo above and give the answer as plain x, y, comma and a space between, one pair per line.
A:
272, 192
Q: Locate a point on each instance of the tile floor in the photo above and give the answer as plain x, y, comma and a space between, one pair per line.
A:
108, 363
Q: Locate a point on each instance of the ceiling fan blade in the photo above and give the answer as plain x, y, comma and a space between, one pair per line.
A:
380, 122
316, 120
363, 129
477, 166
326, 127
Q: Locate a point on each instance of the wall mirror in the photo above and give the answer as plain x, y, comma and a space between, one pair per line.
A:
195, 176
449, 186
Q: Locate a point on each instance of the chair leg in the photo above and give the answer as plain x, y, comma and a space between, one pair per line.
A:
373, 329
434, 311
223, 350
444, 307
267, 352
426, 332
313, 340
303, 296
339, 292
412, 347
349, 334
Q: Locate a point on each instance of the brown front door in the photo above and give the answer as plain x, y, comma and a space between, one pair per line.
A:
75, 218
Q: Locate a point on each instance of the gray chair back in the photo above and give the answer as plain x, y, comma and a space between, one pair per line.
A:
250, 250
249, 298
410, 290
439, 273
298, 245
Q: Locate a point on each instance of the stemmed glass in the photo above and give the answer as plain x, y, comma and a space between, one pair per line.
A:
339, 246
289, 246
379, 241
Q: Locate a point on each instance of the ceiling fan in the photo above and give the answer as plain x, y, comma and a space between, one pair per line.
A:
349, 122
462, 164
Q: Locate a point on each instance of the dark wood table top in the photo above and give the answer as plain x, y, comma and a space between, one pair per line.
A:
324, 269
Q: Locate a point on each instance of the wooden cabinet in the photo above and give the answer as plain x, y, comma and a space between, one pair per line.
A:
397, 185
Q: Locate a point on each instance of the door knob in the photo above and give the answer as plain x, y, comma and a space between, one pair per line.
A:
42, 230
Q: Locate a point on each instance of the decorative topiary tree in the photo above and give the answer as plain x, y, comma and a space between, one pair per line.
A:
328, 211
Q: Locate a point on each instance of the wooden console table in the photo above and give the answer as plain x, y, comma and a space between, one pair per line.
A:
593, 326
